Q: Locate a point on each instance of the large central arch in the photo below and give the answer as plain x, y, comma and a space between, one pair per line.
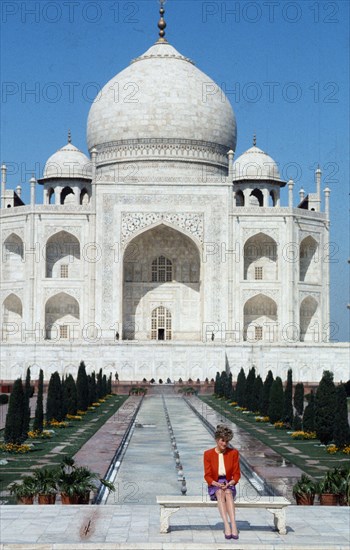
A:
161, 268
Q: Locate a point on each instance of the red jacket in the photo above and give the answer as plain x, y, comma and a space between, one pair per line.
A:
211, 465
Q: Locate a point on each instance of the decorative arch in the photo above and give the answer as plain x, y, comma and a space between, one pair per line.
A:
13, 258
51, 196
84, 197
161, 265
62, 317
309, 264
256, 198
12, 318
62, 254
273, 198
309, 325
260, 258
260, 317
239, 198
67, 196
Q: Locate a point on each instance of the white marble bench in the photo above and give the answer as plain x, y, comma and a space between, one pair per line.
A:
171, 504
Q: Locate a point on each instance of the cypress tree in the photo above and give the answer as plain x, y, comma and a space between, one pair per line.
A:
266, 393
299, 398
309, 414
325, 405
217, 384
229, 394
26, 407
70, 395
92, 388
99, 384
288, 400
109, 385
341, 424
104, 386
39, 409
257, 394
15, 413
275, 410
297, 423
240, 388
54, 398
82, 388
223, 384
249, 388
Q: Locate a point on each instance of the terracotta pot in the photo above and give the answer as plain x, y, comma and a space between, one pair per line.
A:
75, 499
342, 501
305, 500
69, 499
84, 499
328, 499
47, 499
25, 500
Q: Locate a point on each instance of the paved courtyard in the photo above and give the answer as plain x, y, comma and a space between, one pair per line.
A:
130, 519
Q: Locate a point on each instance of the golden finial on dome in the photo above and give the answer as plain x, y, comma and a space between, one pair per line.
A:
69, 136
161, 22
254, 140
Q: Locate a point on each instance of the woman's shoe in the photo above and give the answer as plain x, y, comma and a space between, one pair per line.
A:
235, 537
228, 537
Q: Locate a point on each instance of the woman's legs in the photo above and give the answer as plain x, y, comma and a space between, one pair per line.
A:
230, 507
221, 498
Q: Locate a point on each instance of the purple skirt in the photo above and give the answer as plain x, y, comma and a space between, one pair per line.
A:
212, 489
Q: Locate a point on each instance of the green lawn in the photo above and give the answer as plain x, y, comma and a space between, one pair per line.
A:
66, 441
266, 433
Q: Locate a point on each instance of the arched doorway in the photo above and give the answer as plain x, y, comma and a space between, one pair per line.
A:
161, 324
161, 274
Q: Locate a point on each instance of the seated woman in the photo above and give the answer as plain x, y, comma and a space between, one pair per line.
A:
222, 473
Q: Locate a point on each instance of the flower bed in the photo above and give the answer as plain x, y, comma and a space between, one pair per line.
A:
303, 435
15, 448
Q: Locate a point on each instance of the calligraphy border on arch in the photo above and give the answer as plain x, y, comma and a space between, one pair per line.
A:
191, 222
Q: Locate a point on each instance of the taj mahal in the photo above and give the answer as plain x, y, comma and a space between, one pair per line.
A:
160, 254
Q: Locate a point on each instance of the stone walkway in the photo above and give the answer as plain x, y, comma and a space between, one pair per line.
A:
135, 526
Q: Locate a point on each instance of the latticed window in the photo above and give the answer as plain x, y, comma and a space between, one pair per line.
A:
258, 273
258, 333
162, 270
64, 331
161, 324
64, 271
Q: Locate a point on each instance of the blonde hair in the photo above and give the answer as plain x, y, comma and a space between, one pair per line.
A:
223, 432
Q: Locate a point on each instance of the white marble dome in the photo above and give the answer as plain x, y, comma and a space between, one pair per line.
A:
68, 162
161, 96
255, 165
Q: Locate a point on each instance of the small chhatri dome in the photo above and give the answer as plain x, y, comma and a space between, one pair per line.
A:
67, 162
255, 165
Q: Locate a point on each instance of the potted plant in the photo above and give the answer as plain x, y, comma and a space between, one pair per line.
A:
76, 482
304, 491
344, 486
24, 491
328, 488
46, 485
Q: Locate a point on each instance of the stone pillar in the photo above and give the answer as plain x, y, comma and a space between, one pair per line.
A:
290, 193
327, 192
32, 190
3, 184
318, 174
230, 155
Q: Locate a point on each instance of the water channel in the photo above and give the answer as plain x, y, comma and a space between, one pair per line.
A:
148, 469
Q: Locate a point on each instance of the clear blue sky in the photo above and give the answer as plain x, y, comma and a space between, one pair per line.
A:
283, 64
